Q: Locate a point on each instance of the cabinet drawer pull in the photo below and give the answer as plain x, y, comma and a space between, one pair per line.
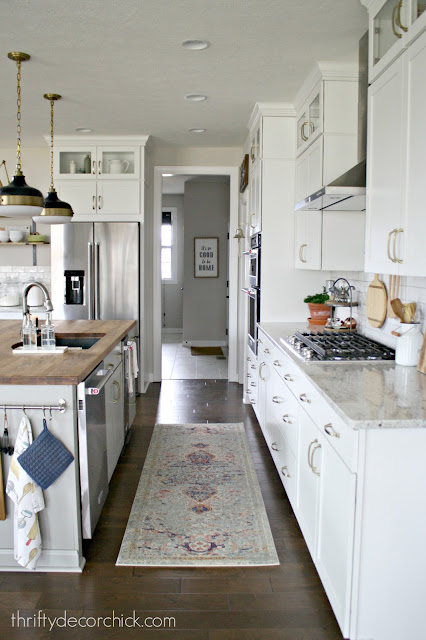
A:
301, 248
288, 377
311, 444
302, 131
286, 419
267, 350
252, 384
314, 469
277, 363
388, 244
248, 358
284, 471
260, 371
93, 202
100, 202
304, 398
260, 341
117, 386
274, 446
252, 366
249, 375
395, 258
94, 167
276, 400
100, 167
252, 401
328, 428
395, 32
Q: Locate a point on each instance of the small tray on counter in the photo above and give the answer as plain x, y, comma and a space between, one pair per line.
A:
38, 351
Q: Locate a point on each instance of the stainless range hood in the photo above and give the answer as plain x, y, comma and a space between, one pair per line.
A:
347, 193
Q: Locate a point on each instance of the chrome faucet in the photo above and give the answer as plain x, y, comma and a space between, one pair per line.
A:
47, 301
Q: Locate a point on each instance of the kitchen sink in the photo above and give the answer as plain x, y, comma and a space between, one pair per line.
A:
82, 342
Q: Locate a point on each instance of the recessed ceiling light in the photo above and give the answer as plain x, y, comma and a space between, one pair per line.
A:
167, 175
195, 97
195, 45
83, 130
196, 130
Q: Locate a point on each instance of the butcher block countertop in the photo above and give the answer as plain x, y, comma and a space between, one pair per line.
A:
68, 368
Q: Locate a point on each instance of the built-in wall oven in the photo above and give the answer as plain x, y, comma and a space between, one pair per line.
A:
254, 260
253, 291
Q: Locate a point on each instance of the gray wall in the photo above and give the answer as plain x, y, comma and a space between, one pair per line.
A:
172, 294
204, 301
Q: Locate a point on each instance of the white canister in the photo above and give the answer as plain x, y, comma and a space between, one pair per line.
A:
409, 344
72, 166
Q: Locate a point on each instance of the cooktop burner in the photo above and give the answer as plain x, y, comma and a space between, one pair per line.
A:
327, 346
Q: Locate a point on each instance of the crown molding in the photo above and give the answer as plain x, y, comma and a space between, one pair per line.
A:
274, 109
77, 140
331, 71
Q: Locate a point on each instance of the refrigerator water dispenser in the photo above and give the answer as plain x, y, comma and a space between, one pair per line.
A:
74, 287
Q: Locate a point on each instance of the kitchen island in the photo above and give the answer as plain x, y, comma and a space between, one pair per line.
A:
349, 440
50, 380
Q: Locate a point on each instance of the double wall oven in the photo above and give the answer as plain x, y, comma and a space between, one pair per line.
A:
253, 291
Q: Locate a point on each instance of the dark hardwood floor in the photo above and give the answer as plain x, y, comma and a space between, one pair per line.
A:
285, 602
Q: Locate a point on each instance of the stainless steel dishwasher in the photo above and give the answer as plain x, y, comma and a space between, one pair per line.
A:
92, 444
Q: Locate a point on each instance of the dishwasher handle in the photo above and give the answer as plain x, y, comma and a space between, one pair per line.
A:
104, 375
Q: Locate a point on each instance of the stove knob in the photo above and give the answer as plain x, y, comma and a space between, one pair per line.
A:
307, 353
297, 345
291, 339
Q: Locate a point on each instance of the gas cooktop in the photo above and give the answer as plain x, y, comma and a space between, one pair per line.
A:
328, 346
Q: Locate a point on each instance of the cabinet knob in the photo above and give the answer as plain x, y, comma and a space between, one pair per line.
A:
288, 377
286, 419
277, 400
277, 363
284, 471
252, 384
267, 350
274, 446
252, 401
304, 398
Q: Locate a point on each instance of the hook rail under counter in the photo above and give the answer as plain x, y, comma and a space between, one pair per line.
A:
61, 406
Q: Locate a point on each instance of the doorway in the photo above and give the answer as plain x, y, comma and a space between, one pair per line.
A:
177, 346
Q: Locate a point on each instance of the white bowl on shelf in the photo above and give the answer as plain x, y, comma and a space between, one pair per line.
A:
4, 236
16, 235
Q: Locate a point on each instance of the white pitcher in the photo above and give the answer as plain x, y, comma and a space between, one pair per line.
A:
118, 166
409, 344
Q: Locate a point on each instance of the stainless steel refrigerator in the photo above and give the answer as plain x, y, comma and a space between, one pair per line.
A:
95, 271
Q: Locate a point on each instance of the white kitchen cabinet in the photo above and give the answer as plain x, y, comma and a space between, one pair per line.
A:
395, 222
270, 133
308, 230
101, 176
308, 473
393, 25
335, 532
309, 170
114, 414
310, 119
255, 199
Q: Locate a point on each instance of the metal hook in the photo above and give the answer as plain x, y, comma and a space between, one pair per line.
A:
44, 412
50, 414
23, 409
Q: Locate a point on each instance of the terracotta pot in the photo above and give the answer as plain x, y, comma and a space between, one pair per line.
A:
319, 313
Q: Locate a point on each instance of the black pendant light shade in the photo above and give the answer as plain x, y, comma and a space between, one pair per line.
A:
55, 211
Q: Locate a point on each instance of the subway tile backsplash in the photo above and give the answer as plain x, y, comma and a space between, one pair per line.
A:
23, 274
411, 289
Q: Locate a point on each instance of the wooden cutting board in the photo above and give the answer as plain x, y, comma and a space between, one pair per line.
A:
376, 302
422, 358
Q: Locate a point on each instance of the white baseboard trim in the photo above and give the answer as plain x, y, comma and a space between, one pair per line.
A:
204, 343
168, 330
66, 561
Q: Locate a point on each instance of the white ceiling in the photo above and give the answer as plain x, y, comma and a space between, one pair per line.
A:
121, 70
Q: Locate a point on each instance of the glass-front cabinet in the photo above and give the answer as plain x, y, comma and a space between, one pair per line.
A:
87, 162
393, 25
309, 120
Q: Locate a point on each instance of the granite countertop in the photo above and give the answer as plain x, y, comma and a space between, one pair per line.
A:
365, 394
70, 367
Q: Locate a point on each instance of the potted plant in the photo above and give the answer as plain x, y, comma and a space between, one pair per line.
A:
319, 311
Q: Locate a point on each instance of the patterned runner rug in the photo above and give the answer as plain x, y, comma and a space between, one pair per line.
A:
198, 502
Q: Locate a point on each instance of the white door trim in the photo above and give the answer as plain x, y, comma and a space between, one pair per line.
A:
233, 174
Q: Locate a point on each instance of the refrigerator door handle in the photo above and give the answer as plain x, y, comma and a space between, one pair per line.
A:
89, 280
97, 287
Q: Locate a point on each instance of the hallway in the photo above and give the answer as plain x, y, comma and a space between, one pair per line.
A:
177, 363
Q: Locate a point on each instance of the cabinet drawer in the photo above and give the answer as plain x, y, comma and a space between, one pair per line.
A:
284, 460
340, 435
284, 409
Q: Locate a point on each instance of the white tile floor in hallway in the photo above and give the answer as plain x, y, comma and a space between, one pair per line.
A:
178, 364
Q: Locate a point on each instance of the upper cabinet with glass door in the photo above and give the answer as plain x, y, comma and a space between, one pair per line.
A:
310, 120
393, 24
76, 160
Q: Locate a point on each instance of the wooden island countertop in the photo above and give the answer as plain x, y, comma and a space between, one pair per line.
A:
68, 368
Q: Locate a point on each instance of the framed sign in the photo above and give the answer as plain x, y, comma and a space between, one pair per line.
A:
206, 257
